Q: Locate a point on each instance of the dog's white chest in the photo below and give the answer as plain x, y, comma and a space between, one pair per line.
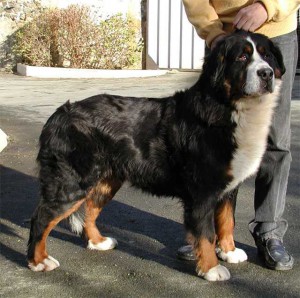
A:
253, 118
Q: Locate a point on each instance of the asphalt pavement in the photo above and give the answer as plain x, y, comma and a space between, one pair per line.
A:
149, 229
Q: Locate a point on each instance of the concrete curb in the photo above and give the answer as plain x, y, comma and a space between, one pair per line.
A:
3, 140
75, 73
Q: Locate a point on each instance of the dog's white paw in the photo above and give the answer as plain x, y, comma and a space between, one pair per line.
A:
108, 243
48, 264
217, 273
236, 256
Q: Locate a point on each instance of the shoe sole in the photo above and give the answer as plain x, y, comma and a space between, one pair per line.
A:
185, 257
277, 267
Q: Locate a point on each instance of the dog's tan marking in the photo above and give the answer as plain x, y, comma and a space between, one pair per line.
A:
205, 254
227, 86
207, 261
248, 49
224, 223
104, 191
229, 172
96, 199
90, 227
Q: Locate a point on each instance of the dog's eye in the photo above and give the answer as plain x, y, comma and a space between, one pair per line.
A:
242, 58
267, 56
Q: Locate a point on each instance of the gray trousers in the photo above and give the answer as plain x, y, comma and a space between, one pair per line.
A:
272, 178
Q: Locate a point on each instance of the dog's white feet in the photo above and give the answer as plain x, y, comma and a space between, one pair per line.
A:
108, 243
47, 264
236, 256
217, 273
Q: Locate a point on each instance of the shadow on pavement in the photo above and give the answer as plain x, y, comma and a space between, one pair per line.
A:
133, 227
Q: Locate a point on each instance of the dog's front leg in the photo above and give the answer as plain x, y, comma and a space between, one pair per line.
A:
199, 222
224, 224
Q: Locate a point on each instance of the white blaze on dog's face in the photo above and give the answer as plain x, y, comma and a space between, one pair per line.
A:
260, 77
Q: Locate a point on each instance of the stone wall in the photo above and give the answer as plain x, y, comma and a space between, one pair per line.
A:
15, 13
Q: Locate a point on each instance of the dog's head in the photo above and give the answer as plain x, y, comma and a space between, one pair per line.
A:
244, 64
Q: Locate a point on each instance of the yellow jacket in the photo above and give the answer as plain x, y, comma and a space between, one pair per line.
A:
214, 17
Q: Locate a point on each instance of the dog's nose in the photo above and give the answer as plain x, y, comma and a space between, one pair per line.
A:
266, 74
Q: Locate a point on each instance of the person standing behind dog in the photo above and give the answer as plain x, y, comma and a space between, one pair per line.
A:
213, 20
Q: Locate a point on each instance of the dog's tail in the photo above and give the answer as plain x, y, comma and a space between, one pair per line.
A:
76, 220
68, 147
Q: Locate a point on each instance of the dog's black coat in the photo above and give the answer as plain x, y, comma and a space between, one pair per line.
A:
177, 146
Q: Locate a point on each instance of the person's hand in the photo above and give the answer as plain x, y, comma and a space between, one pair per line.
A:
251, 17
216, 40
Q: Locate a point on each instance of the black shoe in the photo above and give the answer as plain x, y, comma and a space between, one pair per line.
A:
274, 254
186, 253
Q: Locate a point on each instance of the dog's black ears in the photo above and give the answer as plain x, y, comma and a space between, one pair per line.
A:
215, 63
279, 67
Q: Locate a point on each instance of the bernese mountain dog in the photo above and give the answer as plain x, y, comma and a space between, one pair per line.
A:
197, 145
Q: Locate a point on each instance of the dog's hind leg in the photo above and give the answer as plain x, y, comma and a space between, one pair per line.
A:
224, 223
97, 198
46, 217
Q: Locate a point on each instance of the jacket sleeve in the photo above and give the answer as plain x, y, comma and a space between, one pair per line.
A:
278, 10
204, 18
